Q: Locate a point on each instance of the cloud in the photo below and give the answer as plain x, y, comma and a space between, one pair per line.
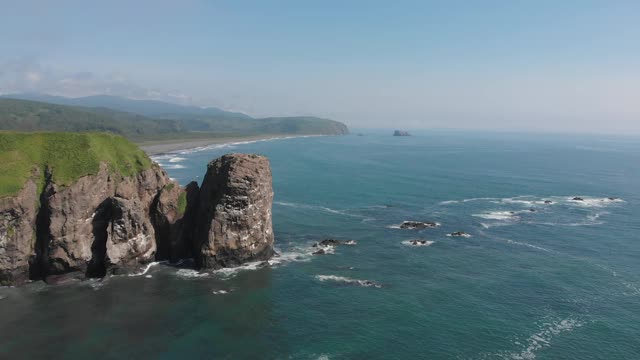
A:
28, 76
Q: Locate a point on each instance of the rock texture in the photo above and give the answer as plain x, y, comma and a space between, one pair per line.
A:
17, 234
106, 223
234, 212
99, 222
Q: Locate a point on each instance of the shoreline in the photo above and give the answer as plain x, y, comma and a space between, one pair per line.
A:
171, 146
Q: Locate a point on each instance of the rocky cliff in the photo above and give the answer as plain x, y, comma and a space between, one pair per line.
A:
107, 222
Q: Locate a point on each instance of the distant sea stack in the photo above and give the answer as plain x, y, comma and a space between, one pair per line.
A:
87, 205
401, 133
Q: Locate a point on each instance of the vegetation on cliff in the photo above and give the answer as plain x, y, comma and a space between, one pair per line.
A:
69, 156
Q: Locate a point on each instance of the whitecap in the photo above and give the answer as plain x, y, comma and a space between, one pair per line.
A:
498, 215
346, 280
590, 202
220, 292
176, 159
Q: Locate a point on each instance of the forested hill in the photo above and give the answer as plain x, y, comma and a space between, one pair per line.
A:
147, 120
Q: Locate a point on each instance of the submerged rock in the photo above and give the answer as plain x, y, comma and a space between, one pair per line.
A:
548, 202
418, 224
334, 242
577, 198
459, 234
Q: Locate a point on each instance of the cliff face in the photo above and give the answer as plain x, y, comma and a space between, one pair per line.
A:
17, 233
107, 223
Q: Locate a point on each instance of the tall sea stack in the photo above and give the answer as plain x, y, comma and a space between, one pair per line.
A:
233, 222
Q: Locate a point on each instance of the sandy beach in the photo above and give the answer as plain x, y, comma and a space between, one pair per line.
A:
161, 147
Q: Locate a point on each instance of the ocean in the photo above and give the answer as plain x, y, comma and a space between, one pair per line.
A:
532, 280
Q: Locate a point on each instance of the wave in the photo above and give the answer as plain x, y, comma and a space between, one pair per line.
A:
191, 274
173, 167
346, 280
498, 215
232, 271
527, 245
147, 268
448, 202
221, 292
319, 208
531, 200
542, 339
176, 159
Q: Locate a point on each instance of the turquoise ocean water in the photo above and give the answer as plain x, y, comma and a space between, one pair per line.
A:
559, 282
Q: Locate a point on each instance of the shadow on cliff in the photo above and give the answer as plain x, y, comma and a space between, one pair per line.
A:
97, 266
39, 262
174, 239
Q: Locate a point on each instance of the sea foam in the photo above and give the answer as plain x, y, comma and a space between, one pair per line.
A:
543, 338
346, 280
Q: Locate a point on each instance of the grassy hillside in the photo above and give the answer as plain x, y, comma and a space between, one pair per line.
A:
22, 115
69, 156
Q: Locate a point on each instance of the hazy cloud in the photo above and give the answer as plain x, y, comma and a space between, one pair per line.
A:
28, 75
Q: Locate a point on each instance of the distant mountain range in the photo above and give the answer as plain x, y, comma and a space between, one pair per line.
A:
146, 119
150, 108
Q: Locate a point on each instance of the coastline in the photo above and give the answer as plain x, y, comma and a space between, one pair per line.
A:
172, 146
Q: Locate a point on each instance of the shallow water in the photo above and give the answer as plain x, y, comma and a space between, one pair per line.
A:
559, 282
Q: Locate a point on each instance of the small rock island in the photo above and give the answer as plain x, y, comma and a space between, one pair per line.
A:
401, 133
78, 206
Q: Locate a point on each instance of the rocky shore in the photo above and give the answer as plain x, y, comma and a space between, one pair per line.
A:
109, 224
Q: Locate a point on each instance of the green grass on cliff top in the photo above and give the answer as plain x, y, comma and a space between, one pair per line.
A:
68, 155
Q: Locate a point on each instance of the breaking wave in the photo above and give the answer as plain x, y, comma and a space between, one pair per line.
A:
191, 274
346, 280
147, 268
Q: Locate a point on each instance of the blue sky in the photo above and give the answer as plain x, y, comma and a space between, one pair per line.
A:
510, 65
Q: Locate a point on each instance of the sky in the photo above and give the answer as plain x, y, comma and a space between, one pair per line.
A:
549, 66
